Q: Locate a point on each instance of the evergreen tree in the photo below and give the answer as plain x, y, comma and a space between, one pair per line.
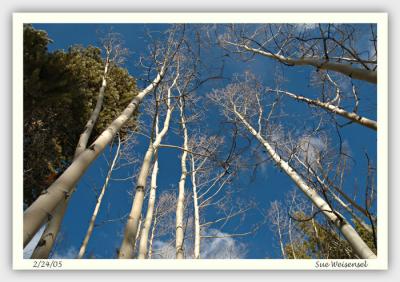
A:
60, 91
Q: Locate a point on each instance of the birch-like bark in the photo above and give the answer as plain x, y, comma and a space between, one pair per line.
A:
197, 238
153, 232
47, 240
128, 243
354, 239
89, 232
149, 214
334, 109
138, 234
40, 210
150, 206
346, 69
181, 187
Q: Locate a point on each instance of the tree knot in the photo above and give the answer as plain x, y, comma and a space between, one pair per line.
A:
140, 188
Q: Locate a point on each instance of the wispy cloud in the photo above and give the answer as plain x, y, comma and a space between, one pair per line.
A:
311, 148
163, 249
220, 247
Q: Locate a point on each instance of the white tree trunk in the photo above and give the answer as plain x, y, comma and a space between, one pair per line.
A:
46, 242
150, 206
153, 232
181, 188
354, 239
346, 69
196, 213
89, 232
36, 215
128, 243
335, 109
280, 232
149, 214
127, 248
138, 234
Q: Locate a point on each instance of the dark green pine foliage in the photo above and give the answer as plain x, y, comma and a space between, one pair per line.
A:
60, 92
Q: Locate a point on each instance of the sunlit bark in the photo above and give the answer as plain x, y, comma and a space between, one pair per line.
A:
181, 186
334, 109
197, 238
128, 243
346, 69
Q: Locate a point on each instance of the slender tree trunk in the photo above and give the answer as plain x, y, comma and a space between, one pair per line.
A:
43, 207
354, 239
89, 232
334, 109
196, 213
153, 232
84, 138
128, 243
181, 188
149, 214
279, 232
46, 242
150, 207
346, 69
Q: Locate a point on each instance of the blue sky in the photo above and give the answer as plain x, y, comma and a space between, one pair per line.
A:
269, 184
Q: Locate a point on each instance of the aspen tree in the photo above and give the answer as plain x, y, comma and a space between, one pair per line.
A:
181, 186
144, 236
228, 98
126, 250
197, 239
